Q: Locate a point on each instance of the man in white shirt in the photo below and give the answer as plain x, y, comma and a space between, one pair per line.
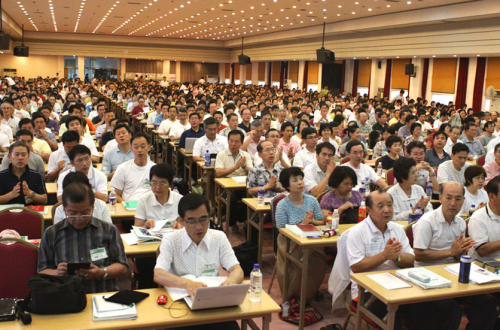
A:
79, 156
377, 244
454, 169
281, 160
421, 120
443, 118
40, 147
59, 160
169, 118
74, 124
118, 154
164, 82
254, 138
18, 112
232, 121
439, 238
196, 250
355, 152
211, 141
321, 115
8, 119
307, 155
317, 174
131, 179
106, 127
453, 139
5, 129
179, 126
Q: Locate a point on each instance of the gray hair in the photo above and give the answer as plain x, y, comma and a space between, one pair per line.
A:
256, 123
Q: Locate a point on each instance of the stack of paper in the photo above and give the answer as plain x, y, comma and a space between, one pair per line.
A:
389, 281
477, 275
108, 311
436, 282
240, 179
140, 235
304, 230
130, 205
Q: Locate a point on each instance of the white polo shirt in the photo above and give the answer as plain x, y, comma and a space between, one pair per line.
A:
214, 147
5, 129
304, 157
177, 129
89, 143
484, 227
55, 158
166, 125
312, 176
12, 123
101, 212
148, 207
226, 160
97, 179
132, 180
447, 172
402, 204
434, 233
364, 171
180, 256
366, 240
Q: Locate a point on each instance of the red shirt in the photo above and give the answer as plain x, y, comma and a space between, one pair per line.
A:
137, 109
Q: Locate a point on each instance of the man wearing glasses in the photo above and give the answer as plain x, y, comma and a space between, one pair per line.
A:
266, 173
211, 141
79, 157
196, 250
80, 237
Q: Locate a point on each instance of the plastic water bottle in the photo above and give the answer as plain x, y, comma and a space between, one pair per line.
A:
418, 213
112, 201
176, 190
256, 284
367, 186
472, 209
260, 196
335, 219
429, 190
412, 217
207, 159
362, 212
362, 189
379, 169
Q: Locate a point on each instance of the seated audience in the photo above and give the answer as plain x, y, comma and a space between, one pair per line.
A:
393, 144
40, 147
317, 174
453, 170
75, 124
42, 132
475, 147
59, 159
474, 193
180, 126
266, 173
35, 162
355, 153
281, 159
254, 137
492, 168
211, 141
436, 155
289, 146
307, 155
120, 153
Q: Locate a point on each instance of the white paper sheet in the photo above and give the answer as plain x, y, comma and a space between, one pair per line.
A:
240, 179
389, 281
130, 238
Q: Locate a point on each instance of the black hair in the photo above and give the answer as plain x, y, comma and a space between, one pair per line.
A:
285, 125
77, 192
210, 121
308, 131
231, 115
459, 147
73, 177
402, 167
23, 132
413, 126
79, 149
287, 173
38, 114
72, 118
70, 136
339, 174
269, 131
25, 121
191, 202
373, 137
236, 132
413, 145
259, 146
438, 133
119, 126
352, 144
164, 171
471, 172
493, 186
391, 140
324, 126
139, 135
323, 145
18, 144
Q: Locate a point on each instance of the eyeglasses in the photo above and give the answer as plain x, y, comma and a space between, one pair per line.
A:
311, 138
269, 150
194, 223
83, 160
161, 184
84, 217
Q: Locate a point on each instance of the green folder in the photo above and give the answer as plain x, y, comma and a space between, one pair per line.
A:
130, 205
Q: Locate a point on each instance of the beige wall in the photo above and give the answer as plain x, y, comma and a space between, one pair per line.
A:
32, 66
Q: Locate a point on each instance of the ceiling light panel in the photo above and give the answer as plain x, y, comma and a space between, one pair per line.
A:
24, 10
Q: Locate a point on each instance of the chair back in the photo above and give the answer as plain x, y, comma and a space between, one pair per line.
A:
18, 261
377, 161
53, 211
389, 177
409, 232
339, 277
320, 196
23, 220
274, 204
345, 160
481, 160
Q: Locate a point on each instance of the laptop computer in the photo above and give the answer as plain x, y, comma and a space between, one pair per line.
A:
219, 296
189, 145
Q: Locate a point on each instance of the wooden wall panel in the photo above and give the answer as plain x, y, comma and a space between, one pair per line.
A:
492, 73
364, 72
398, 78
444, 74
312, 72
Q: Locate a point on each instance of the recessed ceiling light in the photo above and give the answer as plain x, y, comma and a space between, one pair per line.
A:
369, 9
454, 55
433, 55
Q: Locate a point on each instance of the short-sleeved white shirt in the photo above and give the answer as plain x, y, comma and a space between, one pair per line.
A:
132, 180
226, 160
312, 176
55, 158
97, 179
177, 129
214, 147
148, 207
180, 256
4, 140
484, 227
304, 157
101, 212
366, 240
89, 143
434, 233
5, 129
469, 200
402, 204
364, 171
12, 123
110, 145
165, 126
447, 172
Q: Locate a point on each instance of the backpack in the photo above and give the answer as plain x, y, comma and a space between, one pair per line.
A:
246, 253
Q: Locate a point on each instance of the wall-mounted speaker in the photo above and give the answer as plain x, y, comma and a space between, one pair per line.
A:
410, 69
380, 64
4, 41
243, 59
325, 56
21, 51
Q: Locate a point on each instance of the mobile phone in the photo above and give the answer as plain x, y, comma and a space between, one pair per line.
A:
74, 266
313, 237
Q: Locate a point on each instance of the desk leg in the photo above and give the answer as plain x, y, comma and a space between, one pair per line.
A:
219, 204
249, 225
303, 288
287, 268
261, 236
266, 320
189, 178
391, 316
243, 324
229, 192
359, 314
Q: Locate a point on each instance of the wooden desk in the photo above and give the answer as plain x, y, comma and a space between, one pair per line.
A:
307, 245
259, 212
207, 176
154, 316
226, 187
117, 217
394, 298
98, 166
140, 250
175, 157
51, 188
188, 166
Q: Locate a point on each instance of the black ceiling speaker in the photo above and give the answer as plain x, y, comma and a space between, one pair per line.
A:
243, 59
410, 70
22, 50
324, 55
4, 37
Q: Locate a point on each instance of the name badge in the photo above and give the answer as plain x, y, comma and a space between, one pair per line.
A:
208, 271
98, 254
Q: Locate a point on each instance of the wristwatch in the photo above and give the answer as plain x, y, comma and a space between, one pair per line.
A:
105, 273
33, 194
398, 259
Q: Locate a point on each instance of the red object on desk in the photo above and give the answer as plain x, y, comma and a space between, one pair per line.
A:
38, 208
162, 300
307, 228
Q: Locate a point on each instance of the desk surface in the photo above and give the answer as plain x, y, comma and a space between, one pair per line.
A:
151, 315
201, 164
98, 166
252, 203
121, 212
415, 294
229, 183
186, 154
51, 187
140, 250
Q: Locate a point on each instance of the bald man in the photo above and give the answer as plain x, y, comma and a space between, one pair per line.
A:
439, 238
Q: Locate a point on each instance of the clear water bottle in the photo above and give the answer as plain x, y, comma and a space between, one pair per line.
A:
256, 284
472, 209
112, 200
176, 190
362, 189
367, 186
418, 213
335, 219
428, 190
207, 159
260, 196
379, 169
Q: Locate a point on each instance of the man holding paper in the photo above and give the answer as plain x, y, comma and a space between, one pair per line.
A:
439, 238
196, 250
378, 244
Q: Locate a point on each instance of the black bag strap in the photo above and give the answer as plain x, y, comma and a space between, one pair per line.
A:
22, 309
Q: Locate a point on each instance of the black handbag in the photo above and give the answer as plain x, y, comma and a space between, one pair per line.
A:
247, 255
55, 294
349, 216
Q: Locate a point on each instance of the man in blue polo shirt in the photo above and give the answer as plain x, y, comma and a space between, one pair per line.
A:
19, 184
195, 131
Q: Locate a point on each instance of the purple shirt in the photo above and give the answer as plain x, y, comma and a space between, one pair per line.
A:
331, 202
52, 125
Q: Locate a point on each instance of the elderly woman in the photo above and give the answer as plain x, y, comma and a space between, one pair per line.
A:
474, 193
342, 197
416, 134
298, 208
407, 195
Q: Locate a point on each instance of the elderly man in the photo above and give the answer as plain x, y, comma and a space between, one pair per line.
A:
266, 173
454, 169
377, 244
254, 137
439, 238
355, 153
475, 147
8, 120
453, 139
82, 238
